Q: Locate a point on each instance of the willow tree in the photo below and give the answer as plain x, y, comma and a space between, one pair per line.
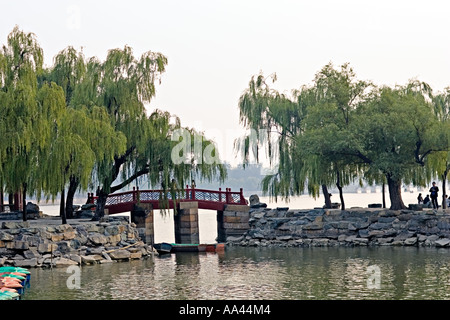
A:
122, 85
274, 120
83, 136
330, 122
27, 112
388, 132
68, 71
79, 139
397, 134
343, 128
440, 162
306, 125
126, 84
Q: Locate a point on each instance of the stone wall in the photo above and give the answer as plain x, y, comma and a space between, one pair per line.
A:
354, 227
40, 244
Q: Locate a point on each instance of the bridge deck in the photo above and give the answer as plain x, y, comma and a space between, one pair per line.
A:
207, 199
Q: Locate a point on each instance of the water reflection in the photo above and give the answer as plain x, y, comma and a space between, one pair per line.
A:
260, 273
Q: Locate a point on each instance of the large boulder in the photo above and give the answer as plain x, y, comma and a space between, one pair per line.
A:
4, 236
20, 245
255, 203
97, 238
120, 254
25, 262
47, 247
89, 259
32, 207
64, 262
442, 242
15, 225
84, 214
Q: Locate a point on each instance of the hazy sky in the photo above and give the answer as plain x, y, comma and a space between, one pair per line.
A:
214, 47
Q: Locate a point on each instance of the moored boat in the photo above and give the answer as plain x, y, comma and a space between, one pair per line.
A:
165, 248
20, 279
7, 283
189, 247
14, 269
8, 295
3, 289
20, 276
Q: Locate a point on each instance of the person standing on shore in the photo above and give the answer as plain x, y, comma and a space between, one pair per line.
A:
434, 195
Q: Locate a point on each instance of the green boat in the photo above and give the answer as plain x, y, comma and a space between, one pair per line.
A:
14, 269
9, 275
165, 248
8, 295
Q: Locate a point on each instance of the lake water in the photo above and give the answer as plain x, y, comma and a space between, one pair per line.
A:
258, 273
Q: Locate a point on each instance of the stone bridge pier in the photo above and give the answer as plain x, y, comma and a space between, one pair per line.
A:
186, 223
142, 216
233, 220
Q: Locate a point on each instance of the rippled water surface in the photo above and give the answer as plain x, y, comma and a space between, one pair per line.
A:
260, 273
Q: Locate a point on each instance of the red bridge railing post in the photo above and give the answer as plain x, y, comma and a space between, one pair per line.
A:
220, 194
187, 192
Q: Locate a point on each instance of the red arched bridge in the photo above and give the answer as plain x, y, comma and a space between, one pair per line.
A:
207, 199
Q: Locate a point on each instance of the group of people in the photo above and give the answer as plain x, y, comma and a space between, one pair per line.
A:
432, 198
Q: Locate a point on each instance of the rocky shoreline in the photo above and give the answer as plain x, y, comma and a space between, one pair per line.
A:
47, 243
282, 227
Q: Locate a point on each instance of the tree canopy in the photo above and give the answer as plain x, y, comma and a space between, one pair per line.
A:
83, 124
340, 129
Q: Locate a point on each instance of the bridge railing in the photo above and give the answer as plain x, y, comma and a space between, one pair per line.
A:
136, 195
226, 196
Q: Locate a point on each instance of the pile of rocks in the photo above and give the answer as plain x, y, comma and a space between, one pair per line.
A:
51, 245
354, 227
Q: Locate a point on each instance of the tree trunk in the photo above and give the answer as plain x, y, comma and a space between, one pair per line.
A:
444, 192
101, 194
115, 170
11, 201
341, 195
101, 202
62, 207
395, 193
73, 185
2, 202
383, 192
24, 202
327, 196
